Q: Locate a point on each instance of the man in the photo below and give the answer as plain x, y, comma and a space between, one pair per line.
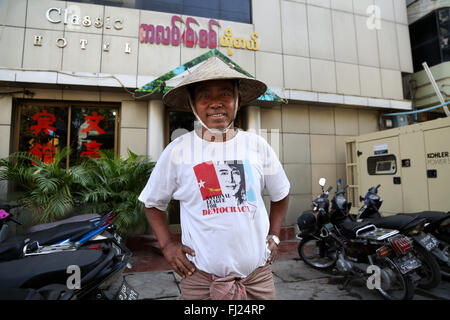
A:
218, 174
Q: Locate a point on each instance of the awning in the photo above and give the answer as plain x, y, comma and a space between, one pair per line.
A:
169, 80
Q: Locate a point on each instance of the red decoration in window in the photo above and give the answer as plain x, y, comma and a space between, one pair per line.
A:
44, 122
47, 152
91, 149
93, 121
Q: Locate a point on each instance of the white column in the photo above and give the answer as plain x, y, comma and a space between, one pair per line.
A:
6, 103
253, 119
155, 131
5, 124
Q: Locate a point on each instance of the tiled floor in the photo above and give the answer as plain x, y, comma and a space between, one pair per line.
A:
148, 257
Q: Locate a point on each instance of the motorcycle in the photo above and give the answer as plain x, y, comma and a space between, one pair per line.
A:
71, 232
332, 240
36, 265
430, 231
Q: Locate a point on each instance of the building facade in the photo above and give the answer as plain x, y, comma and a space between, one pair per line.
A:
429, 24
69, 72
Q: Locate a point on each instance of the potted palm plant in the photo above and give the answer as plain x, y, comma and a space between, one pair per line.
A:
53, 192
49, 189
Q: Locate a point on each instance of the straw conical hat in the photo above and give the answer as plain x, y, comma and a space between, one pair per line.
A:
214, 69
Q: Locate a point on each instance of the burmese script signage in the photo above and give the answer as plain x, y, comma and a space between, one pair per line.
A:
190, 38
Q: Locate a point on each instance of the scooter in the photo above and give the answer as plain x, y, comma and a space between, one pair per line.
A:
434, 251
330, 240
54, 236
85, 273
73, 224
35, 265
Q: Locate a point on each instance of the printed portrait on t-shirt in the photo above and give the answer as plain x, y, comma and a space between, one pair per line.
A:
232, 180
225, 187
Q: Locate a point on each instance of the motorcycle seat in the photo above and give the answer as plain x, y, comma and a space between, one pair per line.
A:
349, 228
430, 216
37, 271
57, 233
12, 248
397, 222
77, 218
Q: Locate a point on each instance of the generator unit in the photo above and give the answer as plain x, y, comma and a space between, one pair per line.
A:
412, 164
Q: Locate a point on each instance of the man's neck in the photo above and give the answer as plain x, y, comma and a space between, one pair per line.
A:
218, 137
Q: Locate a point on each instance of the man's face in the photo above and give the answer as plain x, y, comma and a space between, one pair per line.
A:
214, 103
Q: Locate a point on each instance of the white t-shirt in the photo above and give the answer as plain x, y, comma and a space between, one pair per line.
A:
219, 186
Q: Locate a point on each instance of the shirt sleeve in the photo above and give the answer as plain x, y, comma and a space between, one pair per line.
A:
161, 185
275, 179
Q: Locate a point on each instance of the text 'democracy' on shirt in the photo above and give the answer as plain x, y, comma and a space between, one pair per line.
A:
219, 186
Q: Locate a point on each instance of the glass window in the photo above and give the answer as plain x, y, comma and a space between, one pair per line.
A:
180, 121
235, 10
430, 39
428, 52
425, 42
112, 3
232, 10
201, 8
171, 6
424, 30
444, 33
92, 130
43, 128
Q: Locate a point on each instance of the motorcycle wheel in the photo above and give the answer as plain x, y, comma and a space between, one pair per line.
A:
320, 254
398, 286
430, 272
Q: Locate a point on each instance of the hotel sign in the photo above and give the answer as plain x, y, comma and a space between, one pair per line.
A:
203, 38
57, 15
71, 16
172, 34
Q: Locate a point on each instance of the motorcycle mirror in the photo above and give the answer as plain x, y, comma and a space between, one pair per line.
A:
322, 182
361, 198
339, 182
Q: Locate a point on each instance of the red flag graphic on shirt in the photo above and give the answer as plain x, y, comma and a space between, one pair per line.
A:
208, 182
